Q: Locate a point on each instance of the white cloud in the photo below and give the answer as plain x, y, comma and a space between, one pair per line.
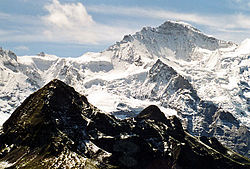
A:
66, 23
22, 48
71, 22
226, 21
68, 15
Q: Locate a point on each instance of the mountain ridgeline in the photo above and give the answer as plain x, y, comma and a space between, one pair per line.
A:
202, 80
56, 127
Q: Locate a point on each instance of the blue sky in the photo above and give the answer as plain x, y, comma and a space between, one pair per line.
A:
73, 27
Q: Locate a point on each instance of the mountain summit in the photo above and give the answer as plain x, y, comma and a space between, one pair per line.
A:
171, 39
54, 108
56, 127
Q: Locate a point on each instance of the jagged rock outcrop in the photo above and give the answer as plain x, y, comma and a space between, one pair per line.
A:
8, 59
199, 117
57, 127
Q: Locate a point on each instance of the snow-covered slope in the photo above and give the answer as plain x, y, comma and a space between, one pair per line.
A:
20, 76
128, 76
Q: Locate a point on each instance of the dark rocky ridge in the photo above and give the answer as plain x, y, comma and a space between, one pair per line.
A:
56, 127
199, 117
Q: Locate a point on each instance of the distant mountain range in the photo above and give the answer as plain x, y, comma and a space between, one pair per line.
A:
202, 80
56, 127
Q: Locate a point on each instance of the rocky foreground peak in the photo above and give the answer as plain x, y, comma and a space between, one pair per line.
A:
56, 127
46, 114
54, 99
152, 112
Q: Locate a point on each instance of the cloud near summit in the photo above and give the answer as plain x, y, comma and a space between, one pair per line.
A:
71, 22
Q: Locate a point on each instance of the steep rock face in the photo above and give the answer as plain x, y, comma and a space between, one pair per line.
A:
167, 86
47, 109
50, 126
171, 39
200, 117
57, 127
8, 59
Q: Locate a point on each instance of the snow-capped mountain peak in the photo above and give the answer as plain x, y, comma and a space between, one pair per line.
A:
176, 40
8, 57
244, 47
7, 53
181, 24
